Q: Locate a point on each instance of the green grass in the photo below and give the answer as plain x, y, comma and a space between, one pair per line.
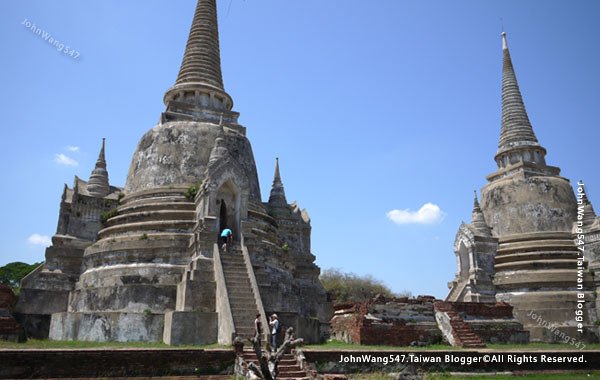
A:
337, 345
443, 376
331, 345
52, 344
554, 376
543, 346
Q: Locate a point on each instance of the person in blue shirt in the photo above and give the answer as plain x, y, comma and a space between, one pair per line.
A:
226, 237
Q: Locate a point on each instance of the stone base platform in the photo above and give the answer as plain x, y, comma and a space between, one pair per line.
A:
107, 326
190, 327
550, 316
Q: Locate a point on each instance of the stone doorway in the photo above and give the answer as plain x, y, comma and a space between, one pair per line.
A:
228, 204
223, 216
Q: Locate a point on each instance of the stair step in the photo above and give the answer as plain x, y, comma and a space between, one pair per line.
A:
238, 284
241, 290
290, 374
241, 299
235, 275
233, 266
233, 263
242, 321
243, 325
244, 306
243, 315
235, 271
251, 311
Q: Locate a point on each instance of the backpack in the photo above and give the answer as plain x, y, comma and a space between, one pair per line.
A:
278, 328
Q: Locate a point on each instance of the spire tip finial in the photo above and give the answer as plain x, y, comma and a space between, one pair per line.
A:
475, 200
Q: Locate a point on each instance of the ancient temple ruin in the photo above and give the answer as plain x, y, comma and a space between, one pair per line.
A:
524, 243
143, 263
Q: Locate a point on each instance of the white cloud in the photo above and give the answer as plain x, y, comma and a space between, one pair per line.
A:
37, 239
429, 213
63, 159
72, 148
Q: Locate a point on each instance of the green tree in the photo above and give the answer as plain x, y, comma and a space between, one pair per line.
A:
350, 287
12, 273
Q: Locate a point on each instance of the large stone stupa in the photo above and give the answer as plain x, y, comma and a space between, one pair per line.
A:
520, 245
153, 269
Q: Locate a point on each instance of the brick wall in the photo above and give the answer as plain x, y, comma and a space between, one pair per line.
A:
94, 363
7, 298
498, 310
381, 321
399, 333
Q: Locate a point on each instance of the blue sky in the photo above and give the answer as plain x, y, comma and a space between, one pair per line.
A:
372, 106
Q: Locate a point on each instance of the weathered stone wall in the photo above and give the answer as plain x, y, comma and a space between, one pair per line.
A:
103, 327
190, 327
177, 153
346, 323
520, 204
398, 322
287, 278
84, 215
404, 321
499, 331
46, 289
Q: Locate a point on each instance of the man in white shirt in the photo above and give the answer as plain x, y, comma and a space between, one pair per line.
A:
274, 323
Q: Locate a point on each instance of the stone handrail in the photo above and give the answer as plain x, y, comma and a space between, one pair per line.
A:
457, 291
443, 321
255, 289
32, 274
223, 309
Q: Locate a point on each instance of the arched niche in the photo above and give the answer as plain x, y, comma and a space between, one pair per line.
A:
464, 263
228, 206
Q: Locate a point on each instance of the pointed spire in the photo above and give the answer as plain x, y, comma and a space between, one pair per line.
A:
517, 132
478, 220
277, 176
277, 196
202, 59
98, 185
200, 80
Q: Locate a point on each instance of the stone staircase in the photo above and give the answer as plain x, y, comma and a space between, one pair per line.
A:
457, 289
288, 367
463, 334
241, 298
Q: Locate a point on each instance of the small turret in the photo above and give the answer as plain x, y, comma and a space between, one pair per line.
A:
277, 196
589, 215
220, 149
98, 184
478, 219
